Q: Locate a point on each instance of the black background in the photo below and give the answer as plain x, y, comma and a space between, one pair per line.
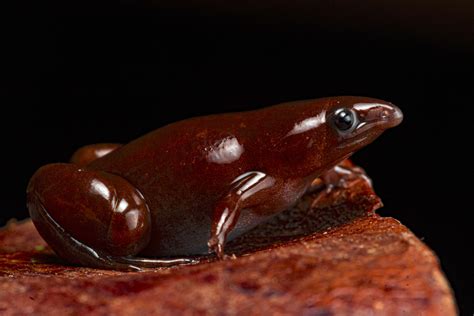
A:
86, 72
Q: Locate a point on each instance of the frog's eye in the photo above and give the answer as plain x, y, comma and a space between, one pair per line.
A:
345, 120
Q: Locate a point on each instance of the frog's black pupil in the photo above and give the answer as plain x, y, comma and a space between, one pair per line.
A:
344, 119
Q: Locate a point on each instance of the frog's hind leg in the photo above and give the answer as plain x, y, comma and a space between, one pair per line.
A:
87, 154
92, 218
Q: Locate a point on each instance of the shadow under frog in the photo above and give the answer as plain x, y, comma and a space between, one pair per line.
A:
190, 186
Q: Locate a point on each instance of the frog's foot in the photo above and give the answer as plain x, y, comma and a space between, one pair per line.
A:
342, 176
91, 218
140, 262
87, 154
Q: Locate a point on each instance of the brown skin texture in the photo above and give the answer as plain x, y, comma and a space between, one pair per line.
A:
208, 178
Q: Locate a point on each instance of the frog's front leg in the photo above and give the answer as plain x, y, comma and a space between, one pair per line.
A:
92, 218
339, 177
243, 191
87, 154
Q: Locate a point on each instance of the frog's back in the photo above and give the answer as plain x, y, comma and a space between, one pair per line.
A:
182, 169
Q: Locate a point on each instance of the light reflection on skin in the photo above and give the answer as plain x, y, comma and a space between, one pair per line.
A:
255, 177
132, 219
122, 206
99, 188
131, 216
308, 124
251, 182
226, 151
370, 106
102, 151
265, 183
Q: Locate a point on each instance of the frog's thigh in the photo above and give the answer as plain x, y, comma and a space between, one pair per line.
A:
87, 154
88, 209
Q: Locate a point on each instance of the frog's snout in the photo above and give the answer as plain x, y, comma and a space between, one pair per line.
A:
391, 115
378, 114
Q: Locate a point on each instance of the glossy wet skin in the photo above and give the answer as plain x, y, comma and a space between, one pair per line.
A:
196, 183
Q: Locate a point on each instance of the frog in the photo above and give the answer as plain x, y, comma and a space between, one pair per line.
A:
185, 189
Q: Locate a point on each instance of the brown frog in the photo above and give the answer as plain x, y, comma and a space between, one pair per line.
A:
188, 187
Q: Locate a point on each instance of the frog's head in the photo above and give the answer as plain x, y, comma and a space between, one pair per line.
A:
353, 122
357, 121
319, 133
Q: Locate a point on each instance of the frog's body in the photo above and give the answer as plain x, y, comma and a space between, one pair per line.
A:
200, 181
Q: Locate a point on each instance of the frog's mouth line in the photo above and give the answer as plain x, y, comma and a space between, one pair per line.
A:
354, 142
363, 135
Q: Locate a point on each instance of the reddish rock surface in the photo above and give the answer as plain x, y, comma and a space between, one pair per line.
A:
335, 259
